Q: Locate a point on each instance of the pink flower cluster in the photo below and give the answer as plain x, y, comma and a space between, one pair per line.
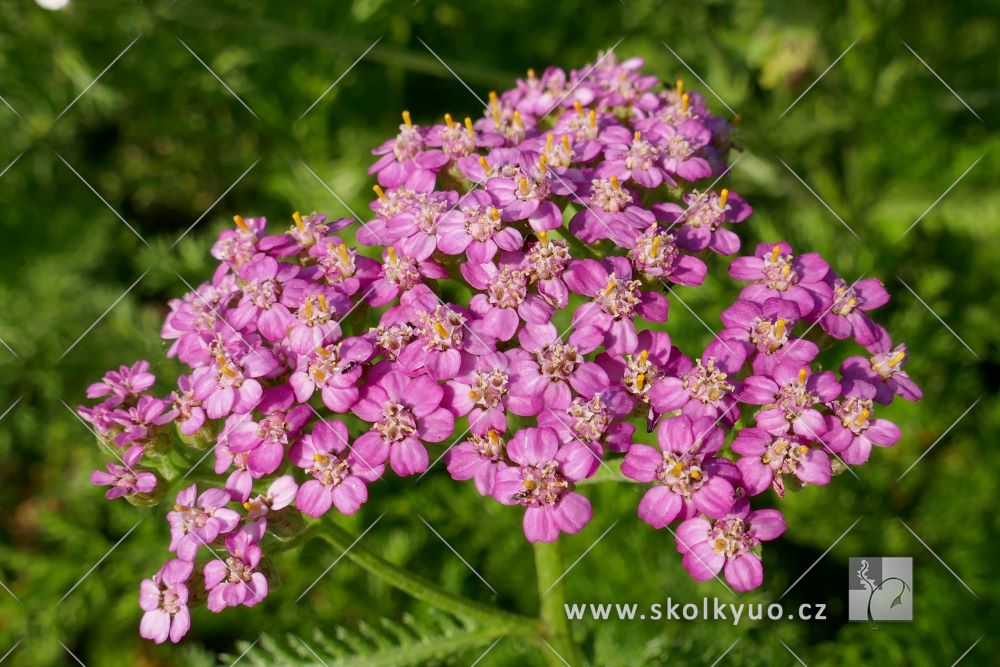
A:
576, 198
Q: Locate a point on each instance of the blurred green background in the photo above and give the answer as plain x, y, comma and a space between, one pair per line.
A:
879, 139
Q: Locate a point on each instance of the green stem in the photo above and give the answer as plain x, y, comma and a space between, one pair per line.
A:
552, 597
505, 622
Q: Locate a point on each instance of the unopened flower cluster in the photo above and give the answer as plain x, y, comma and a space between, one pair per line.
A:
320, 358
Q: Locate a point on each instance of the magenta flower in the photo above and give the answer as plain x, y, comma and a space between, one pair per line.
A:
102, 418
638, 370
190, 415
710, 547
124, 479
455, 139
306, 233
852, 428
680, 147
140, 423
280, 494
479, 458
525, 197
707, 389
164, 599
265, 441
482, 393
698, 224
236, 580
848, 315
342, 267
506, 301
230, 384
124, 384
544, 262
608, 211
883, 370
270, 289
239, 484
766, 459
476, 229
594, 420
687, 477
443, 335
193, 524
788, 399
404, 161
340, 473
406, 413
415, 231
654, 254
617, 301
776, 273
401, 273
631, 156
546, 368
313, 324
236, 247
542, 480
334, 370
767, 329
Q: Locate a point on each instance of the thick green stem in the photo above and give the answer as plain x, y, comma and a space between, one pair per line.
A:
505, 622
552, 596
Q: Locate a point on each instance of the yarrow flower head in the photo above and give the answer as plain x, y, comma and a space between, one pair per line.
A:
503, 308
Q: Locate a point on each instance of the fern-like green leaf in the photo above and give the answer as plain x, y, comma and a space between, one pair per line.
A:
436, 639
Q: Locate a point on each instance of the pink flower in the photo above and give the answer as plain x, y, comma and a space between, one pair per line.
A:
687, 477
401, 273
848, 314
883, 370
617, 303
541, 481
767, 329
482, 393
280, 494
339, 472
193, 524
139, 423
125, 480
236, 580
766, 459
190, 415
475, 228
789, 398
125, 383
852, 428
265, 440
164, 600
479, 458
506, 301
776, 273
334, 370
639, 369
698, 224
607, 211
404, 160
270, 289
546, 368
708, 388
654, 254
405, 413
710, 547
230, 384
441, 335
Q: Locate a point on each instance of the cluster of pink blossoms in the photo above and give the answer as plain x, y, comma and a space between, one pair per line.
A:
576, 198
